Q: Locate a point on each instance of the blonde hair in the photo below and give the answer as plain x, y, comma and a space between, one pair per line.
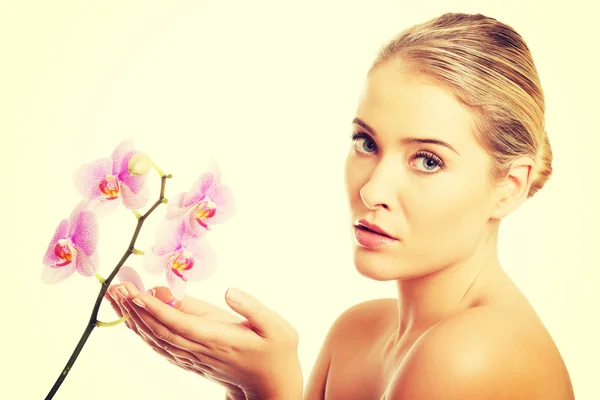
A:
488, 67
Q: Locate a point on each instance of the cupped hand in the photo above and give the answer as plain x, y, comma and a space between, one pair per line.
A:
189, 305
257, 353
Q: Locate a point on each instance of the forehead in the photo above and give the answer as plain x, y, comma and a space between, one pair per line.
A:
395, 102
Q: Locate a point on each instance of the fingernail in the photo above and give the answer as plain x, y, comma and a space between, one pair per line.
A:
139, 302
172, 302
151, 292
234, 295
123, 291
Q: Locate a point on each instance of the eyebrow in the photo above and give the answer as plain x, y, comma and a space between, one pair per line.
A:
408, 140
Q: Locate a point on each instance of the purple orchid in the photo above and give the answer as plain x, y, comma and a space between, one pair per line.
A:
128, 274
181, 256
73, 247
208, 202
108, 179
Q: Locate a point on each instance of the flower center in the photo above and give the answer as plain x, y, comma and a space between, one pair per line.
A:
205, 209
65, 251
182, 260
109, 186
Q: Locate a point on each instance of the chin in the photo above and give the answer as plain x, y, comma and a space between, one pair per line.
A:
387, 266
379, 266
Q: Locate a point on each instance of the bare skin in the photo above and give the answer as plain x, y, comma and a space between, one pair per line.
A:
373, 364
459, 328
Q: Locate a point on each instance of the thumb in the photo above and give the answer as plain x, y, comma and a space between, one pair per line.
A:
264, 320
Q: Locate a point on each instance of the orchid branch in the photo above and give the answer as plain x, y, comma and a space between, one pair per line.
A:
93, 321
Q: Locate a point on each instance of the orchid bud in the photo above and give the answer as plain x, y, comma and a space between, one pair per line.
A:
140, 164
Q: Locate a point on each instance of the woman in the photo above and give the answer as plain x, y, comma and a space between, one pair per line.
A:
448, 139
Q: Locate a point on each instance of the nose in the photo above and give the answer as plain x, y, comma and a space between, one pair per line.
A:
378, 192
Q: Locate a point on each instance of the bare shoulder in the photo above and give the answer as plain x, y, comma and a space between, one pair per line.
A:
351, 329
375, 315
482, 353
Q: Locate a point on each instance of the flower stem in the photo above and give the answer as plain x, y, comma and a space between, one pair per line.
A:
113, 323
99, 277
93, 321
160, 171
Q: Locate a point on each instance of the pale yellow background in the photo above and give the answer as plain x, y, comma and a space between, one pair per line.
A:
269, 90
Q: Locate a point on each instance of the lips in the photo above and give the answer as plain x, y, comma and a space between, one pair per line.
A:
362, 224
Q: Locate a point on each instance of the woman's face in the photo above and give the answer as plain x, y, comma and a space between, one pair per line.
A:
416, 171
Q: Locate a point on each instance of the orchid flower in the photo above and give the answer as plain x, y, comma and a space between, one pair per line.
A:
73, 247
208, 202
128, 274
108, 179
181, 256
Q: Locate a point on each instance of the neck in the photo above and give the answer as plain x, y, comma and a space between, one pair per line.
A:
424, 301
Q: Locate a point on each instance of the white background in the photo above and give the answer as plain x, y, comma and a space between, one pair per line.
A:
268, 89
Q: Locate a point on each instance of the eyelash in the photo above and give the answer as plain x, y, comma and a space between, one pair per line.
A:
425, 154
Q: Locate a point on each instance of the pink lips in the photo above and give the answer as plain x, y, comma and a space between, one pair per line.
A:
373, 236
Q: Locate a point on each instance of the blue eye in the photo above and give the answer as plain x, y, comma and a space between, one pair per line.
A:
430, 162
363, 143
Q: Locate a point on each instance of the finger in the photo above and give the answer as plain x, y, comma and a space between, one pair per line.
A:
201, 362
161, 347
191, 305
187, 365
265, 321
113, 304
115, 300
185, 331
162, 335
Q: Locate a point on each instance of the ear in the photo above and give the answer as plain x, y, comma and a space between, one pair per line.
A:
513, 189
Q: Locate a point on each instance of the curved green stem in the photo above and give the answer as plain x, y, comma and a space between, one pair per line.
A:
160, 171
99, 277
93, 321
113, 323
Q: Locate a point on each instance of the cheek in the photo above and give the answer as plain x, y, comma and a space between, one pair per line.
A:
449, 217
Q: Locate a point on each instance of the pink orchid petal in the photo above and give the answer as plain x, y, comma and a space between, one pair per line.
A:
192, 224
226, 204
123, 164
205, 260
83, 205
199, 188
85, 232
134, 201
168, 237
54, 275
135, 183
128, 274
103, 207
88, 177
84, 264
61, 232
155, 264
176, 284
125, 147
214, 169
175, 207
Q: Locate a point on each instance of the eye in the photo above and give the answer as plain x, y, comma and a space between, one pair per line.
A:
363, 143
427, 163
